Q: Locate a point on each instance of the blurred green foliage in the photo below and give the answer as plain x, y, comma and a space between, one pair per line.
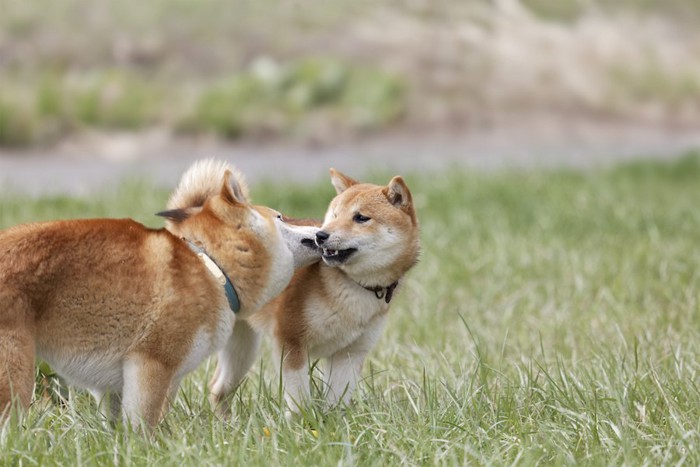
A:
17, 123
570, 9
268, 98
274, 98
198, 67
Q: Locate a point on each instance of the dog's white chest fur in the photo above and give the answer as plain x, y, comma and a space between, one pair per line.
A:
333, 328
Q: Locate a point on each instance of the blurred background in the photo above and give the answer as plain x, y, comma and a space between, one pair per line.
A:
95, 90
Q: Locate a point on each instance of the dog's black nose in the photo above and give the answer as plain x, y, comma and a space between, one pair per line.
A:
321, 237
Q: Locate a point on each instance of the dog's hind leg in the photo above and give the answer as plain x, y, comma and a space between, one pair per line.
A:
147, 382
17, 351
233, 363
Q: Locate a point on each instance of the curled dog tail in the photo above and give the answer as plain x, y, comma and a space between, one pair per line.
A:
202, 181
17, 347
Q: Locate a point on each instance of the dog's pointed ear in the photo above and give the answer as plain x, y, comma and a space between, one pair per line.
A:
398, 193
341, 182
232, 190
175, 215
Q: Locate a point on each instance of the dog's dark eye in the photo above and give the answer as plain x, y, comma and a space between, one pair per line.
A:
360, 219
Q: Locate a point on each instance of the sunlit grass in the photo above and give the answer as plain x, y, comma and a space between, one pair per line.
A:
553, 319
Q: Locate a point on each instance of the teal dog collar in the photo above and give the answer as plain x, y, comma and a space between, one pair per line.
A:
233, 301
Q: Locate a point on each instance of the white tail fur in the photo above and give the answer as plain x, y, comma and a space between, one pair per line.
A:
202, 181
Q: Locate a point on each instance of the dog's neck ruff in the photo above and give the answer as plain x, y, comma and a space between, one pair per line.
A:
231, 295
383, 292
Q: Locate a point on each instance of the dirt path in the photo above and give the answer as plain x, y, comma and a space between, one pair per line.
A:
103, 162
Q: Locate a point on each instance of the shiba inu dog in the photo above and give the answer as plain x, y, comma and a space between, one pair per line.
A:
120, 309
336, 309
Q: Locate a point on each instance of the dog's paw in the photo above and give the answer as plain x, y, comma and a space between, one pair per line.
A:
290, 416
221, 405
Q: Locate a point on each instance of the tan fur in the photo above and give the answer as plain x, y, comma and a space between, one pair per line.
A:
118, 308
326, 312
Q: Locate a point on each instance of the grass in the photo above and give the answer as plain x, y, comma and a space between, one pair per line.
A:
553, 319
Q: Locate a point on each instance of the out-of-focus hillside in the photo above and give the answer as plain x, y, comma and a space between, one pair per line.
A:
318, 70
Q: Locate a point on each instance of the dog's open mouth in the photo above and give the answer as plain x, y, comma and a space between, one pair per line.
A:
337, 256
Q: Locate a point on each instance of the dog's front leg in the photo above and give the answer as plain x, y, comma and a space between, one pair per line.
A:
233, 363
147, 383
343, 369
109, 404
294, 361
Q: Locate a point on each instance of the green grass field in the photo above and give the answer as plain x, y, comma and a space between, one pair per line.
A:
553, 319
